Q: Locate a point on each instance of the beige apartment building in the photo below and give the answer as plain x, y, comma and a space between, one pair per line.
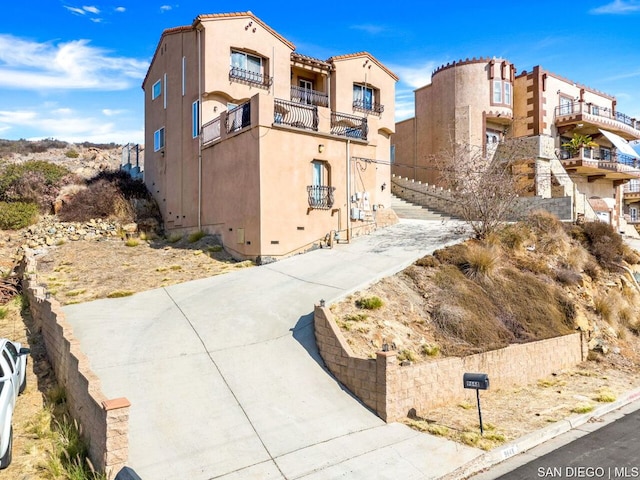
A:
274, 151
484, 104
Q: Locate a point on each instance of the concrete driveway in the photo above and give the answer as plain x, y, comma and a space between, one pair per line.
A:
225, 380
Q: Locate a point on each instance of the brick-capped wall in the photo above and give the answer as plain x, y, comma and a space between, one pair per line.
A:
105, 422
392, 390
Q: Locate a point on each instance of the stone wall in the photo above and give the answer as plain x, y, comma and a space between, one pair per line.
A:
393, 390
104, 422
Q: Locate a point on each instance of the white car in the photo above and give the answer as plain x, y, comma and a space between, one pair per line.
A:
13, 381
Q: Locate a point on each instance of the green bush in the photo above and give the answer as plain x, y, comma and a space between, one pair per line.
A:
369, 303
71, 154
15, 215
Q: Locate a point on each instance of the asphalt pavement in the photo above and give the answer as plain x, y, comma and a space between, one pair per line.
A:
225, 380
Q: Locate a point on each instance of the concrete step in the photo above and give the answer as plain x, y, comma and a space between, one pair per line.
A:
410, 210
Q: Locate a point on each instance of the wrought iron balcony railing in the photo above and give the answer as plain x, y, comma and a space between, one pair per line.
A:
239, 117
320, 196
368, 106
599, 154
310, 97
295, 114
591, 109
252, 78
349, 125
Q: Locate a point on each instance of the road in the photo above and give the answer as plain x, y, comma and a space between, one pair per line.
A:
608, 449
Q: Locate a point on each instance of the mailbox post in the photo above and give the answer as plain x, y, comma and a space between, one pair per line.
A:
477, 381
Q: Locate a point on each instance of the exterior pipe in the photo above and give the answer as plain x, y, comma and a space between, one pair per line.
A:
199, 39
348, 191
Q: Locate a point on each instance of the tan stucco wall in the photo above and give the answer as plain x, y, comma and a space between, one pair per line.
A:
253, 182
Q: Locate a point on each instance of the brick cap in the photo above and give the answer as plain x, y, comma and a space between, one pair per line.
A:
116, 403
388, 354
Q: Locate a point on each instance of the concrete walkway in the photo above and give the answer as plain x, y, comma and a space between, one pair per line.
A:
225, 380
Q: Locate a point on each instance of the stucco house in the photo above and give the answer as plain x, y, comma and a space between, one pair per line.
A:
483, 103
274, 151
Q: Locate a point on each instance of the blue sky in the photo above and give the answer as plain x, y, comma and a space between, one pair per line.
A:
72, 69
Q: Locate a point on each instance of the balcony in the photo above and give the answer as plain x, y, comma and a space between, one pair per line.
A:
309, 97
367, 106
349, 126
320, 196
249, 77
632, 192
596, 163
295, 115
233, 120
598, 117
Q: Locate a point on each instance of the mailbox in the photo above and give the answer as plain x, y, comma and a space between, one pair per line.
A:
479, 381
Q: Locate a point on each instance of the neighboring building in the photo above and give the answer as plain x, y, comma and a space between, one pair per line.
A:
484, 104
272, 150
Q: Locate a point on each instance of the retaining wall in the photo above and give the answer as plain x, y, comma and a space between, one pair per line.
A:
442, 200
393, 390
104, 422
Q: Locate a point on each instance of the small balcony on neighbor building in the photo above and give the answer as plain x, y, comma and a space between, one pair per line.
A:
596, 163
589, 116
632, 192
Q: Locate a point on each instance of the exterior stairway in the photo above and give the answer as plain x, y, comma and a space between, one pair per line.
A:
409, 210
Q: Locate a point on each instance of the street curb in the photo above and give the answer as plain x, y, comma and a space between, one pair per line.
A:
536, 438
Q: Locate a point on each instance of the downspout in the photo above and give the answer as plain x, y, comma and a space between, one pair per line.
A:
199, 39
348, 191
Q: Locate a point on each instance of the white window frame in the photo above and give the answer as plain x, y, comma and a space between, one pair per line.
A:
156, 90
195, 119
184, 75
359, 94
164, 98
158, 139
244, 63
496, 92
507, 92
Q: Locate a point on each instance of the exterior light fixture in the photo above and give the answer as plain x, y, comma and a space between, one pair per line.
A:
321, 148
322, 303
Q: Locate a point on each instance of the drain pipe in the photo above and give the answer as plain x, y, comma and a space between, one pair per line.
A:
199, 34
348, 190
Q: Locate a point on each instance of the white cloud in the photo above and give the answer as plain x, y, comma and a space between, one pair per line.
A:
165, 8
77, 11
369, 28
417, 76
68, 125
108, 112
30, 65
91, 9
120, 9
617, 7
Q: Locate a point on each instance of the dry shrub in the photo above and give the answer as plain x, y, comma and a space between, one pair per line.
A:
101, 199
464, 315
606, 305
452, 255
604, 243
428, 261
629, 255
541, 308
513, 236
481, 261
543, 222
567, 276
536, 264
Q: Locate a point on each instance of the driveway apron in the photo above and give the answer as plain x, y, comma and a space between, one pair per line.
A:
225, 380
